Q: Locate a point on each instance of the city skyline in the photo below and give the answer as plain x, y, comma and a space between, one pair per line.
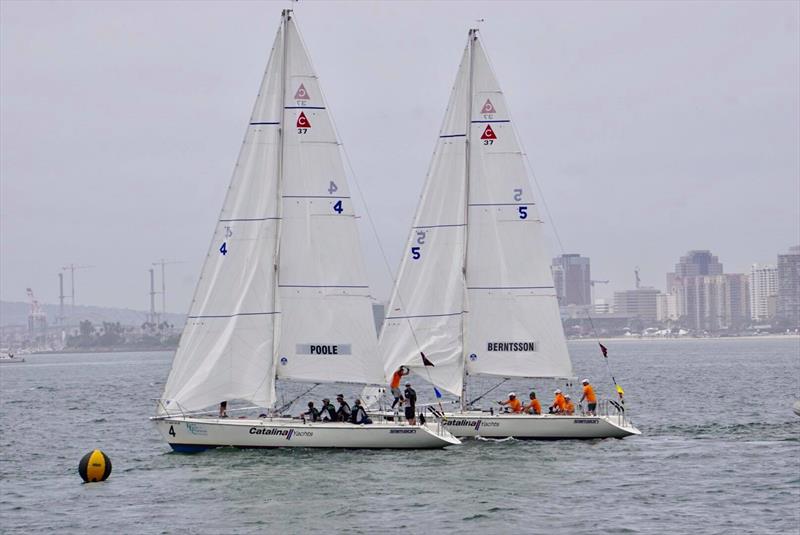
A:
636, 167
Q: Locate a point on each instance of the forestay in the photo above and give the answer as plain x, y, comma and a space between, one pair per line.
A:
326, 324
513, 327
226, 347
425, 312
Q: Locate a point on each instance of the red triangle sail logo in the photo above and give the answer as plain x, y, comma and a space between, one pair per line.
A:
302, 121
301, 93
488, 107
488, 133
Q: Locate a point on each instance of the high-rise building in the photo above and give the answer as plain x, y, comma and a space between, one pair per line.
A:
788, 305
763, 291
573, 280
706, 299
639, 303
699, 262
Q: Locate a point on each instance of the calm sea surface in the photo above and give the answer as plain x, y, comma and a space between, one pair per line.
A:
720, 453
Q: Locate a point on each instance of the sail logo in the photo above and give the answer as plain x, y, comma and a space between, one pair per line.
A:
488, 108
511, 346
284, 361
302, 121
473, 357
488, 133
301, 93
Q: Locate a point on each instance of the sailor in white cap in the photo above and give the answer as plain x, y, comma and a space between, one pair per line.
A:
513, 404
559, 403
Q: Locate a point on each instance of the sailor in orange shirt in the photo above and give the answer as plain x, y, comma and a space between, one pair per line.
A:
395, 384
588, 395
534, 407
559, 403
569, 406
512, 403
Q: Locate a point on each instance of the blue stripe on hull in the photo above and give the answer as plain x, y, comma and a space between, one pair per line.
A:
190, 448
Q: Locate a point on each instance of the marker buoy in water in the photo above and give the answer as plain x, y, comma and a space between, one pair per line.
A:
95, 466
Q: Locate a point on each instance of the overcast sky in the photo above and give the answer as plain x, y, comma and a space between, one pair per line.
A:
653, 128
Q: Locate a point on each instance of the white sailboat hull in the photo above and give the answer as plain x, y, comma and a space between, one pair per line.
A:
472, 424
190, 434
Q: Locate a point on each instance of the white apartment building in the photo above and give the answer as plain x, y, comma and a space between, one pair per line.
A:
763, 291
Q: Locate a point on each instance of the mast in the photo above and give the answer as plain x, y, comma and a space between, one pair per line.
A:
467, 147
286, 15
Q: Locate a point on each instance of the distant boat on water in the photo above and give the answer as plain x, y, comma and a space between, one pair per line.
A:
796, 407
7, 357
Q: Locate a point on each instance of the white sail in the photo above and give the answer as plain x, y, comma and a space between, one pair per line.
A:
508, 322
226, 349
425, 312
513, 327
326, 324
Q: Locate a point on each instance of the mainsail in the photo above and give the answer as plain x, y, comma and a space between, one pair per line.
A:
282, 290
486, 241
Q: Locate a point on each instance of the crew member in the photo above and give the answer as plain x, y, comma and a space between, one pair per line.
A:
223, 409
410, 396
359, 415
590, 397
343, 413
328, 411
569, 406
533, 407
395, 384
512, 402
558, 403
312, 412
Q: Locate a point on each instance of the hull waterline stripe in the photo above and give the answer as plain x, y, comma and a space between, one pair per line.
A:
453, 135
304, 108
250, 219
496, 121
424, 316
510, 287
260, 123
234, 315
442, 226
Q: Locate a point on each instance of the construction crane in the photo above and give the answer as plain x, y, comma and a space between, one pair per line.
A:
163, 263
71, 268
37, 319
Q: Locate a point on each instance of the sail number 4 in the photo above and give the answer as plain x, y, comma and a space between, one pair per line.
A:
224, 248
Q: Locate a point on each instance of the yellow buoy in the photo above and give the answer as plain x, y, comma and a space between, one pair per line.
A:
95, 466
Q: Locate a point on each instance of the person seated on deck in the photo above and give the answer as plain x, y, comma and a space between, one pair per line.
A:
534, 407
359, 415
223, 409
513, 404
395, 385
559, 403
590, 397
328, 411
343, 413
312, 413
569, 406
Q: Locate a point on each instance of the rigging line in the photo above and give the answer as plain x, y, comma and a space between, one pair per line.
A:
290, 402
495, 387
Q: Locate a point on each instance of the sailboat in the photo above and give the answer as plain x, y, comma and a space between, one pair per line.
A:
282, 293
474, 294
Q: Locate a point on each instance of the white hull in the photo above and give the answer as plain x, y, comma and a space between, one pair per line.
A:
11, 360
537, 427
188, 434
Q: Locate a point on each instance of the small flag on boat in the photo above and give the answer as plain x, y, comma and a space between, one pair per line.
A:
604, 349
436, 391
620, 391
425, 360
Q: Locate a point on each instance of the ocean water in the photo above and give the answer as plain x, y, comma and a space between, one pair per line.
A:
720, 453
